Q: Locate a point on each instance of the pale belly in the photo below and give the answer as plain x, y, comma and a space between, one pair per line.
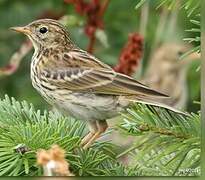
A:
88, 106
83, 106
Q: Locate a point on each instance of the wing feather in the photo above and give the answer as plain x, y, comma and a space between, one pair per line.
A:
93, 75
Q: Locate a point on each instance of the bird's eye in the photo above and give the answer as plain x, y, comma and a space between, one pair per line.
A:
43, 30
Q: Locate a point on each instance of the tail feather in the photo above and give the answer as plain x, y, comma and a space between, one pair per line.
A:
158, 104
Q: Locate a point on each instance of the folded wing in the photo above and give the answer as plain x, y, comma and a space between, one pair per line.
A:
83, 72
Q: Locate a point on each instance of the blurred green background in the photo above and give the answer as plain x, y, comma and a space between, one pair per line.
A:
121, 18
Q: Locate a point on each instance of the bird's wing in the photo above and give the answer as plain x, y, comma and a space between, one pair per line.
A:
82, 72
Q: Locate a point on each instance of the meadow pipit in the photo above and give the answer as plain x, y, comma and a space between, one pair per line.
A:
77, 83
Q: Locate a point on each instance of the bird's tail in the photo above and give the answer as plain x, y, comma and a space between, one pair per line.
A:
156, 102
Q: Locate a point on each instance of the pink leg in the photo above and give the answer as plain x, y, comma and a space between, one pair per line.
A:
102, 126
93, 129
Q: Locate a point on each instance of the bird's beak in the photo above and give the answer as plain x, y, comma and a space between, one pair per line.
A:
24, 30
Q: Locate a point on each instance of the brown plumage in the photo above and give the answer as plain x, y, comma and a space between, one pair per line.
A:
78, 83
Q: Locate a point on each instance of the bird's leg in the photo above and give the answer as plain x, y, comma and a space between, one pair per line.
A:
102, 126
92, 125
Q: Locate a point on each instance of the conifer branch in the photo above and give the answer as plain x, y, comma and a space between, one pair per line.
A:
24, 131
169, 143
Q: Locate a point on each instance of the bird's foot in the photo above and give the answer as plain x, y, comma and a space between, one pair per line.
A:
91, 140
96, 129
86, 138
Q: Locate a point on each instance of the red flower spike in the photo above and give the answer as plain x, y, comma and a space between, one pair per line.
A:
131, 55
93, 10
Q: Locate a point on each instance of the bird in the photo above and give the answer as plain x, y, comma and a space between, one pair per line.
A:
79, 84
167, 72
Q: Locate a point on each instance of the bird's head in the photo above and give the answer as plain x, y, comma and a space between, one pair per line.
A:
45, 33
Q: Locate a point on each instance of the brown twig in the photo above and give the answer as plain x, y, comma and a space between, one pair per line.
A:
91, 44
16, 59
162, 131
104, 7
92, 38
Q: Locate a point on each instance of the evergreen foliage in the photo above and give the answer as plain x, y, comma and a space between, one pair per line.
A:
23, 131
165, 143
192, 8
169, 144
